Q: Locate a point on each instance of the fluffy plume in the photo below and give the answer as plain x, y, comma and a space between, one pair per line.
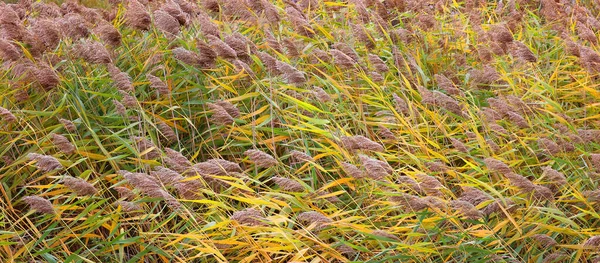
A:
240, 44
222, 49
74, 26
518, 120
166, 176
485, 76
437, 166
220, 115
261, 159
207, 26
108, 33
288, 184
125, 193
92, 52
447, 85
270, 62
473, 196
150, 187
522, 52
549, 146
544, 240
166, 23
129, 207
300, 157
175, 10
342, 60
290, 73
410, 202
410, 183
496, 207
374, 168
69, 125
158, 85
458, 145
241, 66
80, 186
45, 163
229, 108
592, 242
227, 166
321, 94
186, 56
361, 34
385, 234
466, 209
167, 132
430, 185
347, 50
121, 110
359, 142
249, 217
384, 132
120, 79
46, 76
7, 116
62, 143
555, 257
400, 105
501, 34
299, 22
136, 16
176, 161
352, 171
319, 220
39, 204
497, 166
438, 99
207, 56
146, 148
586, 33
48, 32
8, 52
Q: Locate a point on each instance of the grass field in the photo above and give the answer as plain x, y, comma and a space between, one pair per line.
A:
300, 131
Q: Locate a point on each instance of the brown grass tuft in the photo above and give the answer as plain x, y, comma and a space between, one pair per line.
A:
62, 143
80, 186
39, 204
261, 159
249, 217
288, 184
45, 163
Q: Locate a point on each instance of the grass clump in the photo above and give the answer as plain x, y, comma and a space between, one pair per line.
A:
299, 131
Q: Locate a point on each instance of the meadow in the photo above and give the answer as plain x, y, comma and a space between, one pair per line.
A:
299, 131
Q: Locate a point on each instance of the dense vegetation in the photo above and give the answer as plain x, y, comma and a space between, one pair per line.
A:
299, 131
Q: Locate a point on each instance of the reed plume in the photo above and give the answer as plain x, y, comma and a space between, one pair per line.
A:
7, 116
359, 142
315, 218
261, 159
220, 115
39, 204
167, 24
45, 163
146, 148
249, 217
288, 184
62, 143
375, 169
79, 186
136, 16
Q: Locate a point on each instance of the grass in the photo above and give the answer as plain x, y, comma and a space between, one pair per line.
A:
412, 201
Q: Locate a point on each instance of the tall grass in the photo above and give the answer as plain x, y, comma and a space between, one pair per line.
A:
299, 131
